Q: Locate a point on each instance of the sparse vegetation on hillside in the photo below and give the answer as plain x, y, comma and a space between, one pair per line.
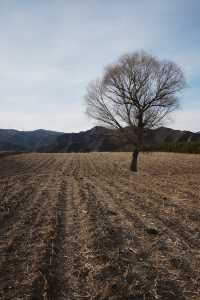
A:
191, 147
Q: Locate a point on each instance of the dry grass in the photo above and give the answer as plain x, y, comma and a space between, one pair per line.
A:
81, 226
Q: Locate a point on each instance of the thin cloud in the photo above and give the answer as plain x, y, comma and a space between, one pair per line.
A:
50, 50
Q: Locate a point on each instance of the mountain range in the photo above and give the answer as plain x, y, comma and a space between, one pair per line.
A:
15, 140
96, 139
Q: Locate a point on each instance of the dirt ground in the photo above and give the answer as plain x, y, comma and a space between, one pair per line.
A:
82, 226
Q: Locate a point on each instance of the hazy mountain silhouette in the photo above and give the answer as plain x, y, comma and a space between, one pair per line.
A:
15, 140
95, 139
104, 139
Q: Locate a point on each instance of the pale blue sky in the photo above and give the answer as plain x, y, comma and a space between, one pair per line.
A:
51, 49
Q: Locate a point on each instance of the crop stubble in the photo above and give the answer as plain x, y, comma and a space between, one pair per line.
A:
81, 226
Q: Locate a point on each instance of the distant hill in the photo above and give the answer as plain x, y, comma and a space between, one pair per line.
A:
104, 139
14, 140
96, 139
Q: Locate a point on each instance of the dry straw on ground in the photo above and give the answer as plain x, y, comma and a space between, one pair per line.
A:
81, 226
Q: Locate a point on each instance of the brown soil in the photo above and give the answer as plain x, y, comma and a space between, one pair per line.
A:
82, 226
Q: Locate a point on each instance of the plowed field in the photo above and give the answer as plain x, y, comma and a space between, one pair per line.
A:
82, 226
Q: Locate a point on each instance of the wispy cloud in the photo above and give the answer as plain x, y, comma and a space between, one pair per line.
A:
50, 50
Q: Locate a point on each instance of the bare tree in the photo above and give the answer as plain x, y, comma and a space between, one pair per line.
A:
137, 92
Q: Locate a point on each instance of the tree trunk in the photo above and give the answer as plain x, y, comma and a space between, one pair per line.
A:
134, 162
